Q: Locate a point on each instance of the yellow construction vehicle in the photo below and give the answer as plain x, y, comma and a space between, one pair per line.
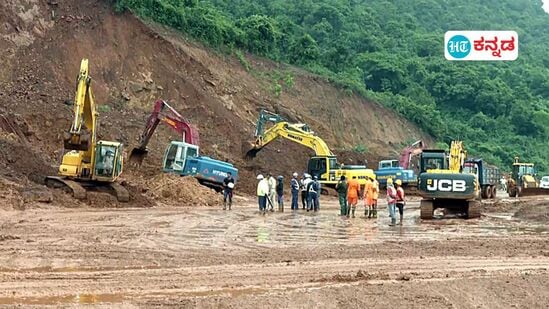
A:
442, 183
523, 180
324, 164
89, 164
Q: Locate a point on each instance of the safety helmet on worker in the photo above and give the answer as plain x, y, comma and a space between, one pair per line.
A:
389, 181
259, 177
315, 177
295, 174
398, 182
280, 177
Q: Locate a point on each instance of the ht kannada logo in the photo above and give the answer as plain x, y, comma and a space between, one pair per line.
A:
481, 45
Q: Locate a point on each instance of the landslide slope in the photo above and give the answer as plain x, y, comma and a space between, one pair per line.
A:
134, 63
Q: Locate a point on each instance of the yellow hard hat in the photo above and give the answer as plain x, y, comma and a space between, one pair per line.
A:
398, 182
389, 180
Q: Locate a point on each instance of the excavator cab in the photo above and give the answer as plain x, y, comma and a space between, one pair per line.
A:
108, 161
323, 167
176, 155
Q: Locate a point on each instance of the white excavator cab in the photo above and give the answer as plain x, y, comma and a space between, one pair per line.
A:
176, 156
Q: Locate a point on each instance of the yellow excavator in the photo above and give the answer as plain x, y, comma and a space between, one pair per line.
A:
324, 164
89, 164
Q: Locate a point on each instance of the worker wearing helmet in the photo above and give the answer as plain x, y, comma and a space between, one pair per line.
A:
228, 185
272, 191
262, 192
375, 195
294, 184
400, 199
313, 192
391, 201
304, 193
353, 192
367, 197
341, 189
280, 192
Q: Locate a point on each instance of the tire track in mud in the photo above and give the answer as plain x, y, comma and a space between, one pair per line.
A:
237, 279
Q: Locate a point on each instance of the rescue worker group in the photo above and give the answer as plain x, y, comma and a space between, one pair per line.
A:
349, 193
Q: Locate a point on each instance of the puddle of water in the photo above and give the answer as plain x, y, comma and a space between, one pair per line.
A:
63, 299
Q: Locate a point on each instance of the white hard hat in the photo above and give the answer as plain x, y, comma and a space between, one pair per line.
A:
259, 177
230, 185
307, 176
295, 174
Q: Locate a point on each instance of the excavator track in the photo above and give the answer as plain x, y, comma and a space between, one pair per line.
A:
473, 210
79, 189
426, 209
122, 193
78, 192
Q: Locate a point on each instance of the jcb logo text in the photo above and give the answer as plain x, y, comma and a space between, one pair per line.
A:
446, 185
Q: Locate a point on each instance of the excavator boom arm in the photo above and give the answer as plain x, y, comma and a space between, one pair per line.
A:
163, 112
414, 149
82, 134
294, 133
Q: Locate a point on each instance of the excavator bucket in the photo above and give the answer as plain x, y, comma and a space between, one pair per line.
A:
137, 155
533, 191
80, 142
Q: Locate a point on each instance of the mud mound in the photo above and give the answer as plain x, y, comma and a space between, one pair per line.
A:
174, 190
537, 211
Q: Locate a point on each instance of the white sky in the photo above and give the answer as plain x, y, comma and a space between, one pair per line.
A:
546, 5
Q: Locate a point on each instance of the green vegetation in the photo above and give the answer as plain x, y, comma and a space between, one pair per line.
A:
392, 52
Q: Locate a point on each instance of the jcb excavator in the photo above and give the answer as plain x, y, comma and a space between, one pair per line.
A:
89, 164
182, 157
324, 164
523, 181
442, 183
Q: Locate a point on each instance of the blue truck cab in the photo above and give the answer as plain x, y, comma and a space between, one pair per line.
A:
392, 169
184, 159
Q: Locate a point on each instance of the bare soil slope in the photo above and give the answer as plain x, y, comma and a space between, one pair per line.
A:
132, 64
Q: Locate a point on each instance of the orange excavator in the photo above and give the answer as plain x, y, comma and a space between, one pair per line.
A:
163, 112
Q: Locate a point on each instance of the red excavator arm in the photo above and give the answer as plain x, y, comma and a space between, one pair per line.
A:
410, 151
163, 112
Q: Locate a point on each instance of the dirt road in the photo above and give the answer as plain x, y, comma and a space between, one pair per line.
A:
207, 257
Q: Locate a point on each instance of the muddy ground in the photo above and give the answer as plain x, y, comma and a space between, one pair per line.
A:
209, 258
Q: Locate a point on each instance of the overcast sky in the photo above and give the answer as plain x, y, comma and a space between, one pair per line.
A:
546, 5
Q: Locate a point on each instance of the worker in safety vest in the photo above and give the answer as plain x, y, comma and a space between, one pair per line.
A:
272, 191
367, 197
353, 192
400, 199
262, 193
375, 196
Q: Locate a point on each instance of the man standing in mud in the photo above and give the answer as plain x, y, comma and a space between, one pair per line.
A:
228, 185
353, 191
341, 189
262, 192
294, 184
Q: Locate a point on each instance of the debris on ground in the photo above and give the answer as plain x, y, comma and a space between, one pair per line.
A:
180, 191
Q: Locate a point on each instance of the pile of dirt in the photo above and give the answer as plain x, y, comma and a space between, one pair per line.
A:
175, 190
537, 211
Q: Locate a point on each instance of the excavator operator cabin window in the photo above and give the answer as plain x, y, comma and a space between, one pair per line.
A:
170, 157
105, 161
191, 152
